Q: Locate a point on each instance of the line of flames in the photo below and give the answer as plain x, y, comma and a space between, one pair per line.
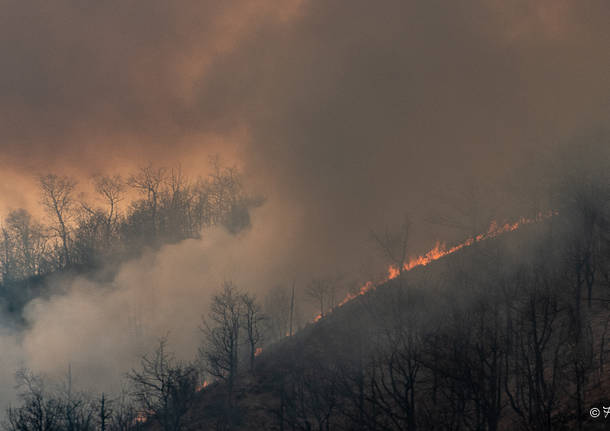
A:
440, 250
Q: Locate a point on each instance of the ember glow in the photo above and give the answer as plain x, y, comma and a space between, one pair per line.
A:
202, 386
141, 418
440, 250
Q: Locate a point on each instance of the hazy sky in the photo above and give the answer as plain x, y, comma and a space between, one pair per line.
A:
340, 112
344, 114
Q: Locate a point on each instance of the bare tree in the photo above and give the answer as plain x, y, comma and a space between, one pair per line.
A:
468, 207
111, 189
104, 412
44, 410
123, 414
164, 388
537, 342
148, 181
318, 291
252, 319
394, 245
397, 365
178, 206
309, 397
224, 188
38, 411
221, 332
58, 199
30, 241
7, 256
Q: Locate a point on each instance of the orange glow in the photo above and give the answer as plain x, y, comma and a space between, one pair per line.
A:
441, 250
141, 418
202, 386
258, 351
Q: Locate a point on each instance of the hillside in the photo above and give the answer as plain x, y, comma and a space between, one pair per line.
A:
486, 338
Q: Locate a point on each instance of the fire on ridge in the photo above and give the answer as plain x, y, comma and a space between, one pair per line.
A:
440, 250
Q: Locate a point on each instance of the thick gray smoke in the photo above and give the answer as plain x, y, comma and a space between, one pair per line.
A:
344, 115
100, 330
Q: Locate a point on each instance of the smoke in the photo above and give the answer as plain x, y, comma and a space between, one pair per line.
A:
99, 330
343, 115
337, 110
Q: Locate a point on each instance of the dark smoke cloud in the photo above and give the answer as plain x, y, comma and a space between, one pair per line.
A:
344, 114
360, 111
84, 79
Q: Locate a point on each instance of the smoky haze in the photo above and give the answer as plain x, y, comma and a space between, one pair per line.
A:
344, 115
99, 330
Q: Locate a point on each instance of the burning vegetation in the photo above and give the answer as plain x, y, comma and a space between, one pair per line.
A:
440, 250
295, 283
507, 330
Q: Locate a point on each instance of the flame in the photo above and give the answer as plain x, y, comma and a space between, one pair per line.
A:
440, 250
202, 386
258, 351
142, 417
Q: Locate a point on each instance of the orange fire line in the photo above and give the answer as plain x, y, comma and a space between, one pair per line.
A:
440, 250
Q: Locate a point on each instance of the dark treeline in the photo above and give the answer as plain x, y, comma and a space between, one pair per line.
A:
512, 335
81, 235
162, 390
509, 333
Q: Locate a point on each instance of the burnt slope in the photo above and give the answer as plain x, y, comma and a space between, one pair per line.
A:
490, 337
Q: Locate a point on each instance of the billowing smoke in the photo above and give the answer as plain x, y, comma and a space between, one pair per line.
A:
99, 330
343, 115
